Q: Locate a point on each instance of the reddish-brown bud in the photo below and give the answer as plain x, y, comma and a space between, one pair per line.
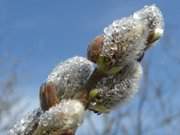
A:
94, 49
48, 96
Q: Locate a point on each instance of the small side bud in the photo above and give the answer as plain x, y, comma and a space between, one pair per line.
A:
94, 49
48, 96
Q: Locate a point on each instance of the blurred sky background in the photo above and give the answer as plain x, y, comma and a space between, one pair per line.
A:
36, 35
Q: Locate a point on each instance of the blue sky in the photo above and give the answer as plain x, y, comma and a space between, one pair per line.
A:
38, 34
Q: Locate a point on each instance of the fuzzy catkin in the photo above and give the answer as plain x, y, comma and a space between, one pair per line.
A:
67, 115
116, 89
70, 76
127, 38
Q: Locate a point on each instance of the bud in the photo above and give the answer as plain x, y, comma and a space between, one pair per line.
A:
72, 79
116, 89
152, 18
94, 49
63, 118
124, 44
127, 39
48, 95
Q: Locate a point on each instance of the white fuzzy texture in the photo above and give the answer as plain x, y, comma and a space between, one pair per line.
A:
68, 114
71, 75
25, 125
117, 89
126, 38
150, 16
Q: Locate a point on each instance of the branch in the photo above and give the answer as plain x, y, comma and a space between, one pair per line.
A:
75, 86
